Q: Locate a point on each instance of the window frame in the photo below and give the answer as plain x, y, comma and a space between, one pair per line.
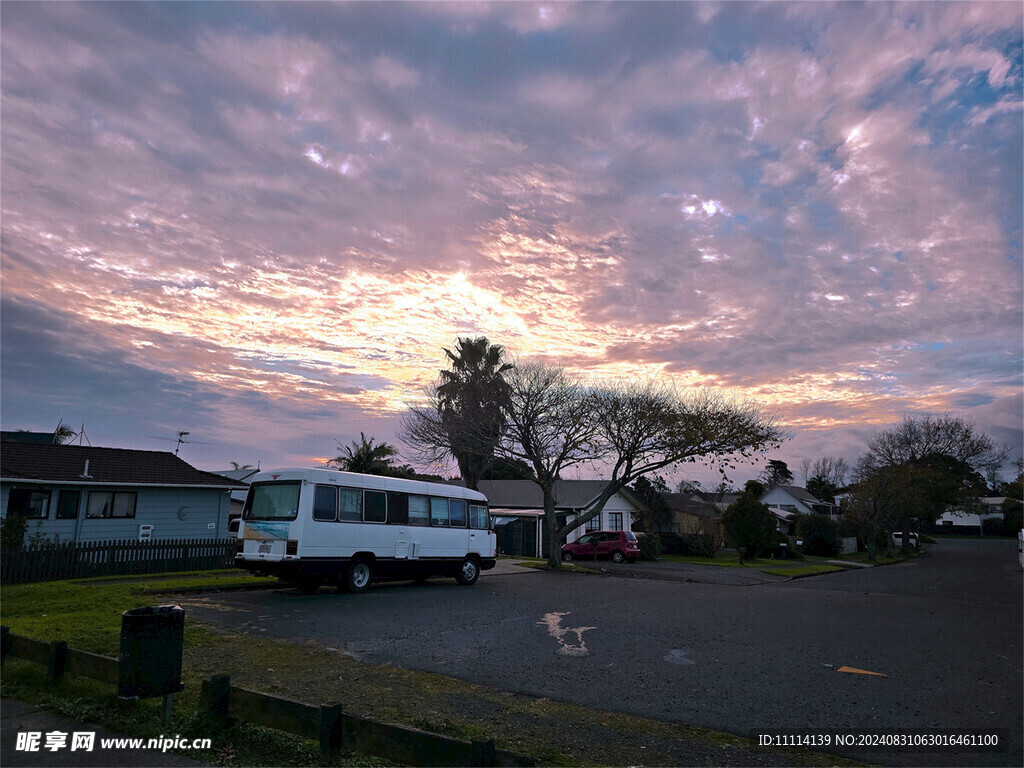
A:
385, 497
68, 492
114, 494
612, 522
43, 494
421, 522
435, 521
313, 511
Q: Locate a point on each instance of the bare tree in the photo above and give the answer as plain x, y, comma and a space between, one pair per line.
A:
931, 462
553, 421
631, 429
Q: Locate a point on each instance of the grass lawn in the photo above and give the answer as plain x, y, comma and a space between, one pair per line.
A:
727, 559
87, 614
801, 570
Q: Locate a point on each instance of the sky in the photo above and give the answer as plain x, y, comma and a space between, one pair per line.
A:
262, 223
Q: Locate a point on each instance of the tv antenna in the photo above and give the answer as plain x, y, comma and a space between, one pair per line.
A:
180, 440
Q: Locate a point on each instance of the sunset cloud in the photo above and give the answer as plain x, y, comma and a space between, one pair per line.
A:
270, 218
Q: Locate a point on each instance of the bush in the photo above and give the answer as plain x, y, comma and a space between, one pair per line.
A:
650, 546
12, 531
1014, 519
820, 534
749, 524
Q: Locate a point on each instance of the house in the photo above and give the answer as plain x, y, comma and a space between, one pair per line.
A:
517, 512
242, 477
694, 514
85, 493
972, 520
787, 500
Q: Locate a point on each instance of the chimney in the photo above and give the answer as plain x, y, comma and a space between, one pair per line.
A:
85, 474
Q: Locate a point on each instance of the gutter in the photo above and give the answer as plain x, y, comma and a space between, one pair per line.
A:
37, 481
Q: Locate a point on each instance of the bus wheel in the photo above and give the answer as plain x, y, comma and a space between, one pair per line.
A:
468, 573
360, 576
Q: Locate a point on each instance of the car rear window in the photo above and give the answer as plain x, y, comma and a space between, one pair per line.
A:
630, 536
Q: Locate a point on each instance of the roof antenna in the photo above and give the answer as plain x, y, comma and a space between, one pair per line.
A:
181, 439
82, 435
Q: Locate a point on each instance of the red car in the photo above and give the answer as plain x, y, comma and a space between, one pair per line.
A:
618, 545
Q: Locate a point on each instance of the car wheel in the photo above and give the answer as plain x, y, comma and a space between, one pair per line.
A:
567, 557
359, 576
468, 573
617, 556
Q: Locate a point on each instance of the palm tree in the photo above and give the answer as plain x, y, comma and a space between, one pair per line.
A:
63, 433
369, 459
471, 397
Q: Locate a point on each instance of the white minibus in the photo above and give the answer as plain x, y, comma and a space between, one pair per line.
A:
322, 526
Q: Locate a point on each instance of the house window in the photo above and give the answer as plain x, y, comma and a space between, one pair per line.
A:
111, 504
594, 524
28, 502
615, 521
67, 505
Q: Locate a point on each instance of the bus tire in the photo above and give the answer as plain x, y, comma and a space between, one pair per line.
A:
468, 572
359, 576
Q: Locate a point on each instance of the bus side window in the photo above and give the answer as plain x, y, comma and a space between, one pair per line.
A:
325, 503
477, 517
457, 512
419, 510
351, 507
398, 508
438, 511
375, 507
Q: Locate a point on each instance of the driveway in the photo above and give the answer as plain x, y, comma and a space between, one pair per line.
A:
945, 630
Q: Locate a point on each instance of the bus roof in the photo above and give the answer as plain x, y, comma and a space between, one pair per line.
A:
373, 482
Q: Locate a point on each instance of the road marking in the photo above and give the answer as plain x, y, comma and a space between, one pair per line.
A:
679, 656
553, 621
861, 671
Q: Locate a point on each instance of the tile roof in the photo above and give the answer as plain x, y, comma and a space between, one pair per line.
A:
122, 466
684, 502
569, 494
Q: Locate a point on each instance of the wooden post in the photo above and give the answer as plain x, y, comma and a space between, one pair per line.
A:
5, 643
215, 699
484, 754
330, 732
58, 657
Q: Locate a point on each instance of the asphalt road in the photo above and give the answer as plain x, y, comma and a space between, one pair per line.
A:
946, 631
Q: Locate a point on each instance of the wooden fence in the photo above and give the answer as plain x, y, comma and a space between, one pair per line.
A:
67, 560
333, 729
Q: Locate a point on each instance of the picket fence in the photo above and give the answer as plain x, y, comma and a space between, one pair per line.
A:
67, 560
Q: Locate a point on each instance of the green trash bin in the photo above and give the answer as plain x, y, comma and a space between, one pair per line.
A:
151, 644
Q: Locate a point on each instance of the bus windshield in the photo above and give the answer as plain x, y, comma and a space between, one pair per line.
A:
272, 501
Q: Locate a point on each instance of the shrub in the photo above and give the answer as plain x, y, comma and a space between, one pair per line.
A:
749, 524
1014, 519
12, 531
820, 534
650, 546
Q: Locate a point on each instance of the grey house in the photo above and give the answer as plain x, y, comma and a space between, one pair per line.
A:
84, 493
517, 512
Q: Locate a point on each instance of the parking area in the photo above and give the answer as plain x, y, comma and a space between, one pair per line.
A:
943, 631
